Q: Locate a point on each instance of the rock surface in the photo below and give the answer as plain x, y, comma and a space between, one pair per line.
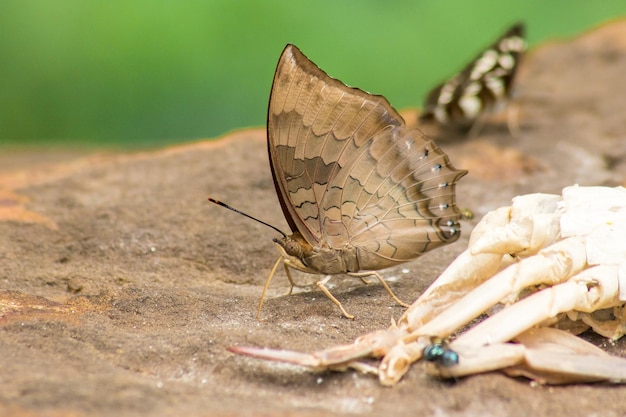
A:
121, 286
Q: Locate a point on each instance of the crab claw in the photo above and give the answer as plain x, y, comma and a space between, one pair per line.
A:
337, 358
279, 355
375, 344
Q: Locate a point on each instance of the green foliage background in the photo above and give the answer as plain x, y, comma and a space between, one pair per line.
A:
149, 72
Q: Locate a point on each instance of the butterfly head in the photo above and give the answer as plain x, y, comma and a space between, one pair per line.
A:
319, 259
295, 248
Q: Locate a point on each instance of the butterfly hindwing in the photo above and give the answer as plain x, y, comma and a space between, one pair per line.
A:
407, 205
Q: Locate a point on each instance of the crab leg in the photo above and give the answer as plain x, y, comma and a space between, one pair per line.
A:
611, 329
557, 357
552, 265
544, 354
592, 289
451, 286
521, 229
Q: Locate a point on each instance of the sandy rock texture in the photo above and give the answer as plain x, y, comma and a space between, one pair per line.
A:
121, 287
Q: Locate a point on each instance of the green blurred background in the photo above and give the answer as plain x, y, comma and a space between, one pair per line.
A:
149, 72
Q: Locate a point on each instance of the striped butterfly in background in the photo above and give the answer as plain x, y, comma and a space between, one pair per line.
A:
484, 85
359, 189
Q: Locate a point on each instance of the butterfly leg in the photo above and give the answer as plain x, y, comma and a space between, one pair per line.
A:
267, 284
322, 286
362, 275
363, 280
291, 282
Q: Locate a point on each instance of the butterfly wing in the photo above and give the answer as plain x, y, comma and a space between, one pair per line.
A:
398, 199
483, 83
348, 172
314, 123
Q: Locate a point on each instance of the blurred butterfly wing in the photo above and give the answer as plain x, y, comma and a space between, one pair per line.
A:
512, 43
481, 84
315, 123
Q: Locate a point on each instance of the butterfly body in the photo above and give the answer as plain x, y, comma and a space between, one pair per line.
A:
317, 260
359, 190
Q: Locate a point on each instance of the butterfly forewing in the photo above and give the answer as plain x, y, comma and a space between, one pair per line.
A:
314, 124
349, 173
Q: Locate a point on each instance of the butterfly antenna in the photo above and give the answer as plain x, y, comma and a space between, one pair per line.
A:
219, 203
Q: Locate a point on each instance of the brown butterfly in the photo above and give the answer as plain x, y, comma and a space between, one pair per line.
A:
483, 85
360, 191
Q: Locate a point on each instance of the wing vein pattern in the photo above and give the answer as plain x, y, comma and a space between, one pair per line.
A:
350, 173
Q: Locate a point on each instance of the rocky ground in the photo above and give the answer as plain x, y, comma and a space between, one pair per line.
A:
121, 287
